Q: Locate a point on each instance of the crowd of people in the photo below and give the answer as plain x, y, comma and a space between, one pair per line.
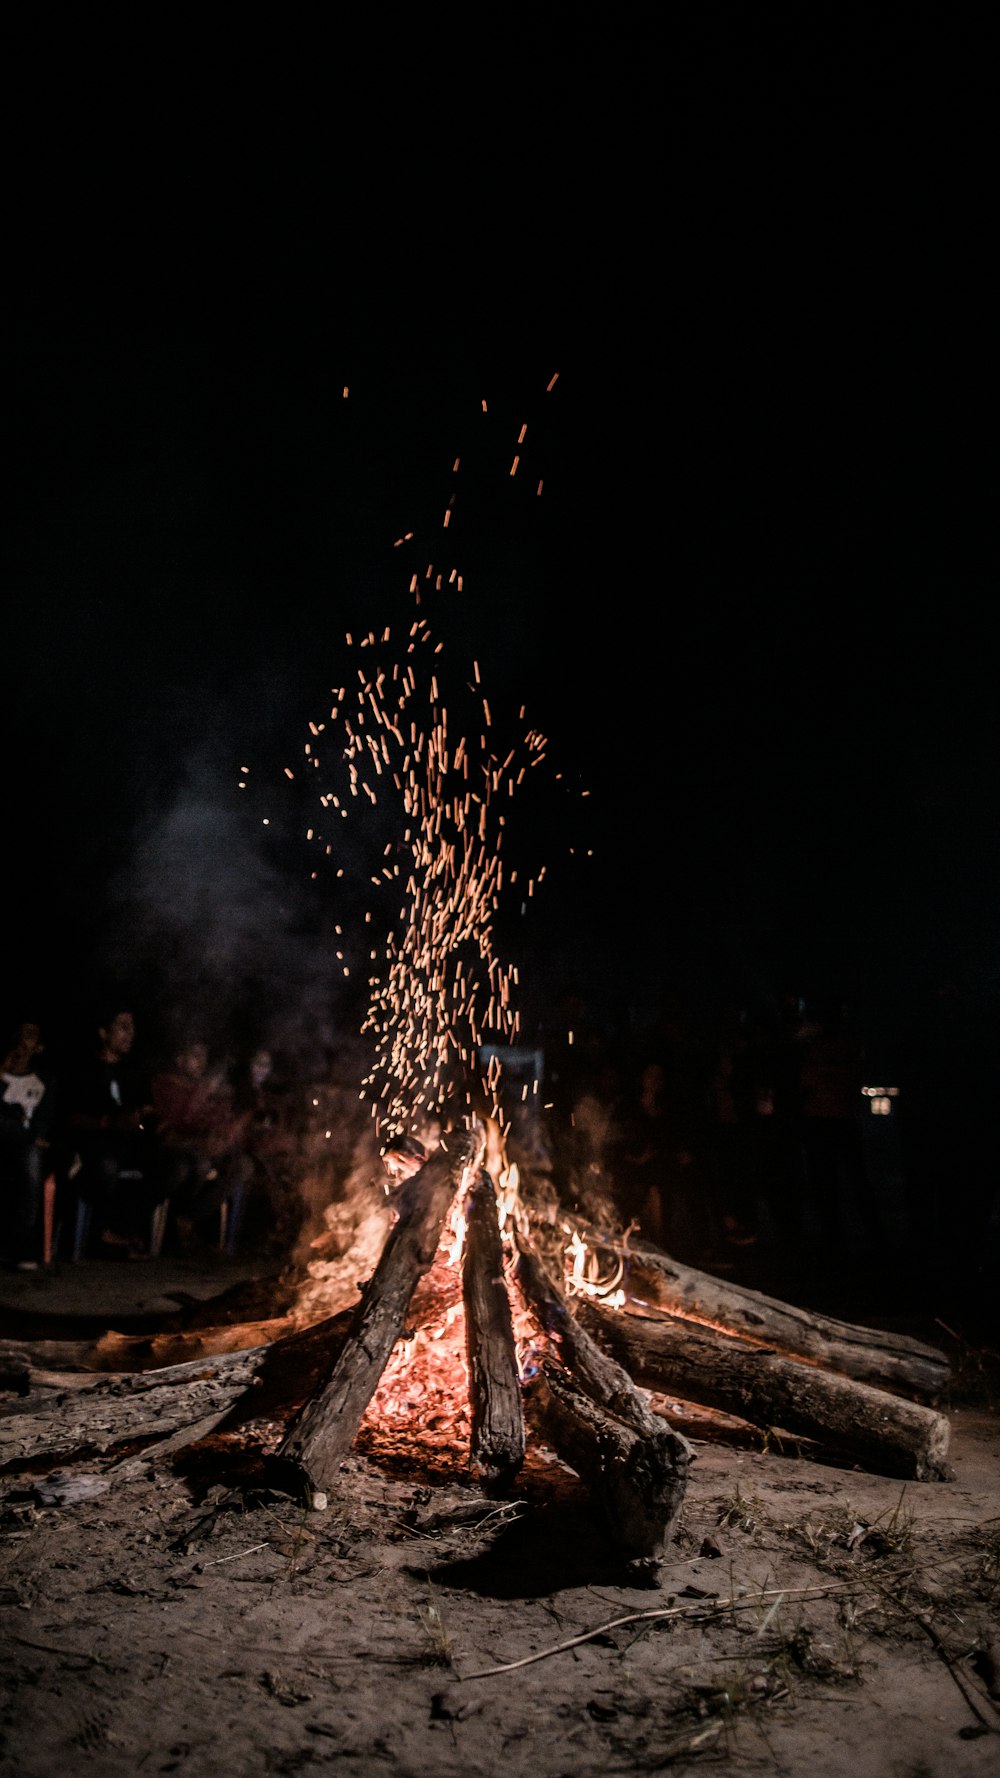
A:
136, 1156
751, 1137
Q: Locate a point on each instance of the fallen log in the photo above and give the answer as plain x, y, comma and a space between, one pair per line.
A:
497, 1444
885, 1359
126, 1353
323, 1432
639, 1486
59, 1423
632, 1476
885, 1433
63, 1415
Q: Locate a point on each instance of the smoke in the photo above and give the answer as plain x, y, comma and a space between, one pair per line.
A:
218, 929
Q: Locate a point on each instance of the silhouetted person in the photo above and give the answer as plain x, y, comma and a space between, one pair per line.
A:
200, 1133
841, 1200
734, 1157
663, 1158
781, 1134
270, 1131
107, 1140
26, 1111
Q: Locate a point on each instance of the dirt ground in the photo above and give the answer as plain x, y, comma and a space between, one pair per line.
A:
808, 1619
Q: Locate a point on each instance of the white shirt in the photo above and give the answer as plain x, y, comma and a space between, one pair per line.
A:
25, 1091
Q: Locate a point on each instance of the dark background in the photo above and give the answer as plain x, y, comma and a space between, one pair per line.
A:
753, 608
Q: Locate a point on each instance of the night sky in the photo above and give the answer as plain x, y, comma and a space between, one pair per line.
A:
753, 608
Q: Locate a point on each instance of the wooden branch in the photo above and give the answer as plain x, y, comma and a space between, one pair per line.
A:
635, 1478
887, 1360
597, 1374
885, 1433
324, 1431
498, 1440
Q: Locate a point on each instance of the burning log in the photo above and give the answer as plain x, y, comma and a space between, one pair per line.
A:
324, 1431
600, 1376
885, 1433
498, 1438
589, 1409
633, 1476
887, 1360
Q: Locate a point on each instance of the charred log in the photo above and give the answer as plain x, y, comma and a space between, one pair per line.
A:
635, 1478
325, 1429
498, 1440
598, 1374
887, 1360
63, 1414
886, 1433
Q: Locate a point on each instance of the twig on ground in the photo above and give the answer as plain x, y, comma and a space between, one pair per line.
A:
699, 1606
252, 1551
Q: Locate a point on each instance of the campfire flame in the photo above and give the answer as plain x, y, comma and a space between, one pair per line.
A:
583, 1273
457, 1226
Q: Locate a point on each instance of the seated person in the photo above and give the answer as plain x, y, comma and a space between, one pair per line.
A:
25, 1125
200, 1132
108, 1151
271, 1142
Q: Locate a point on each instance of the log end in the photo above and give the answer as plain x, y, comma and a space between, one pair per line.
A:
496, 1469
286, 1475
932, 1459
638, 1480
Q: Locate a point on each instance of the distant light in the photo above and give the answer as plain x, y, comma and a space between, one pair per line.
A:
880, 1100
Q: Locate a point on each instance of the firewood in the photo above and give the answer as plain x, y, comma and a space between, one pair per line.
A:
886, 1359
885, 1433
597, 1374
598, 1422
83, 1413
635, 1478
323, 1432
498, 1441
61, 1422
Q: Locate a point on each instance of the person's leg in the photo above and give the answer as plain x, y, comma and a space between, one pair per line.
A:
238, 1175
177, 1181
27, 1206
97, 1185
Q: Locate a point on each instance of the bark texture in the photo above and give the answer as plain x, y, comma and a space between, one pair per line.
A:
634, 1478
883, 1432
498, 1438
871, 1355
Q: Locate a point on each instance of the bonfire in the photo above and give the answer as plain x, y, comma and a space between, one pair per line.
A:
451, 1306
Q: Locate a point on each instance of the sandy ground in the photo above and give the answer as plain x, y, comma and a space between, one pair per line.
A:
808, 1619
